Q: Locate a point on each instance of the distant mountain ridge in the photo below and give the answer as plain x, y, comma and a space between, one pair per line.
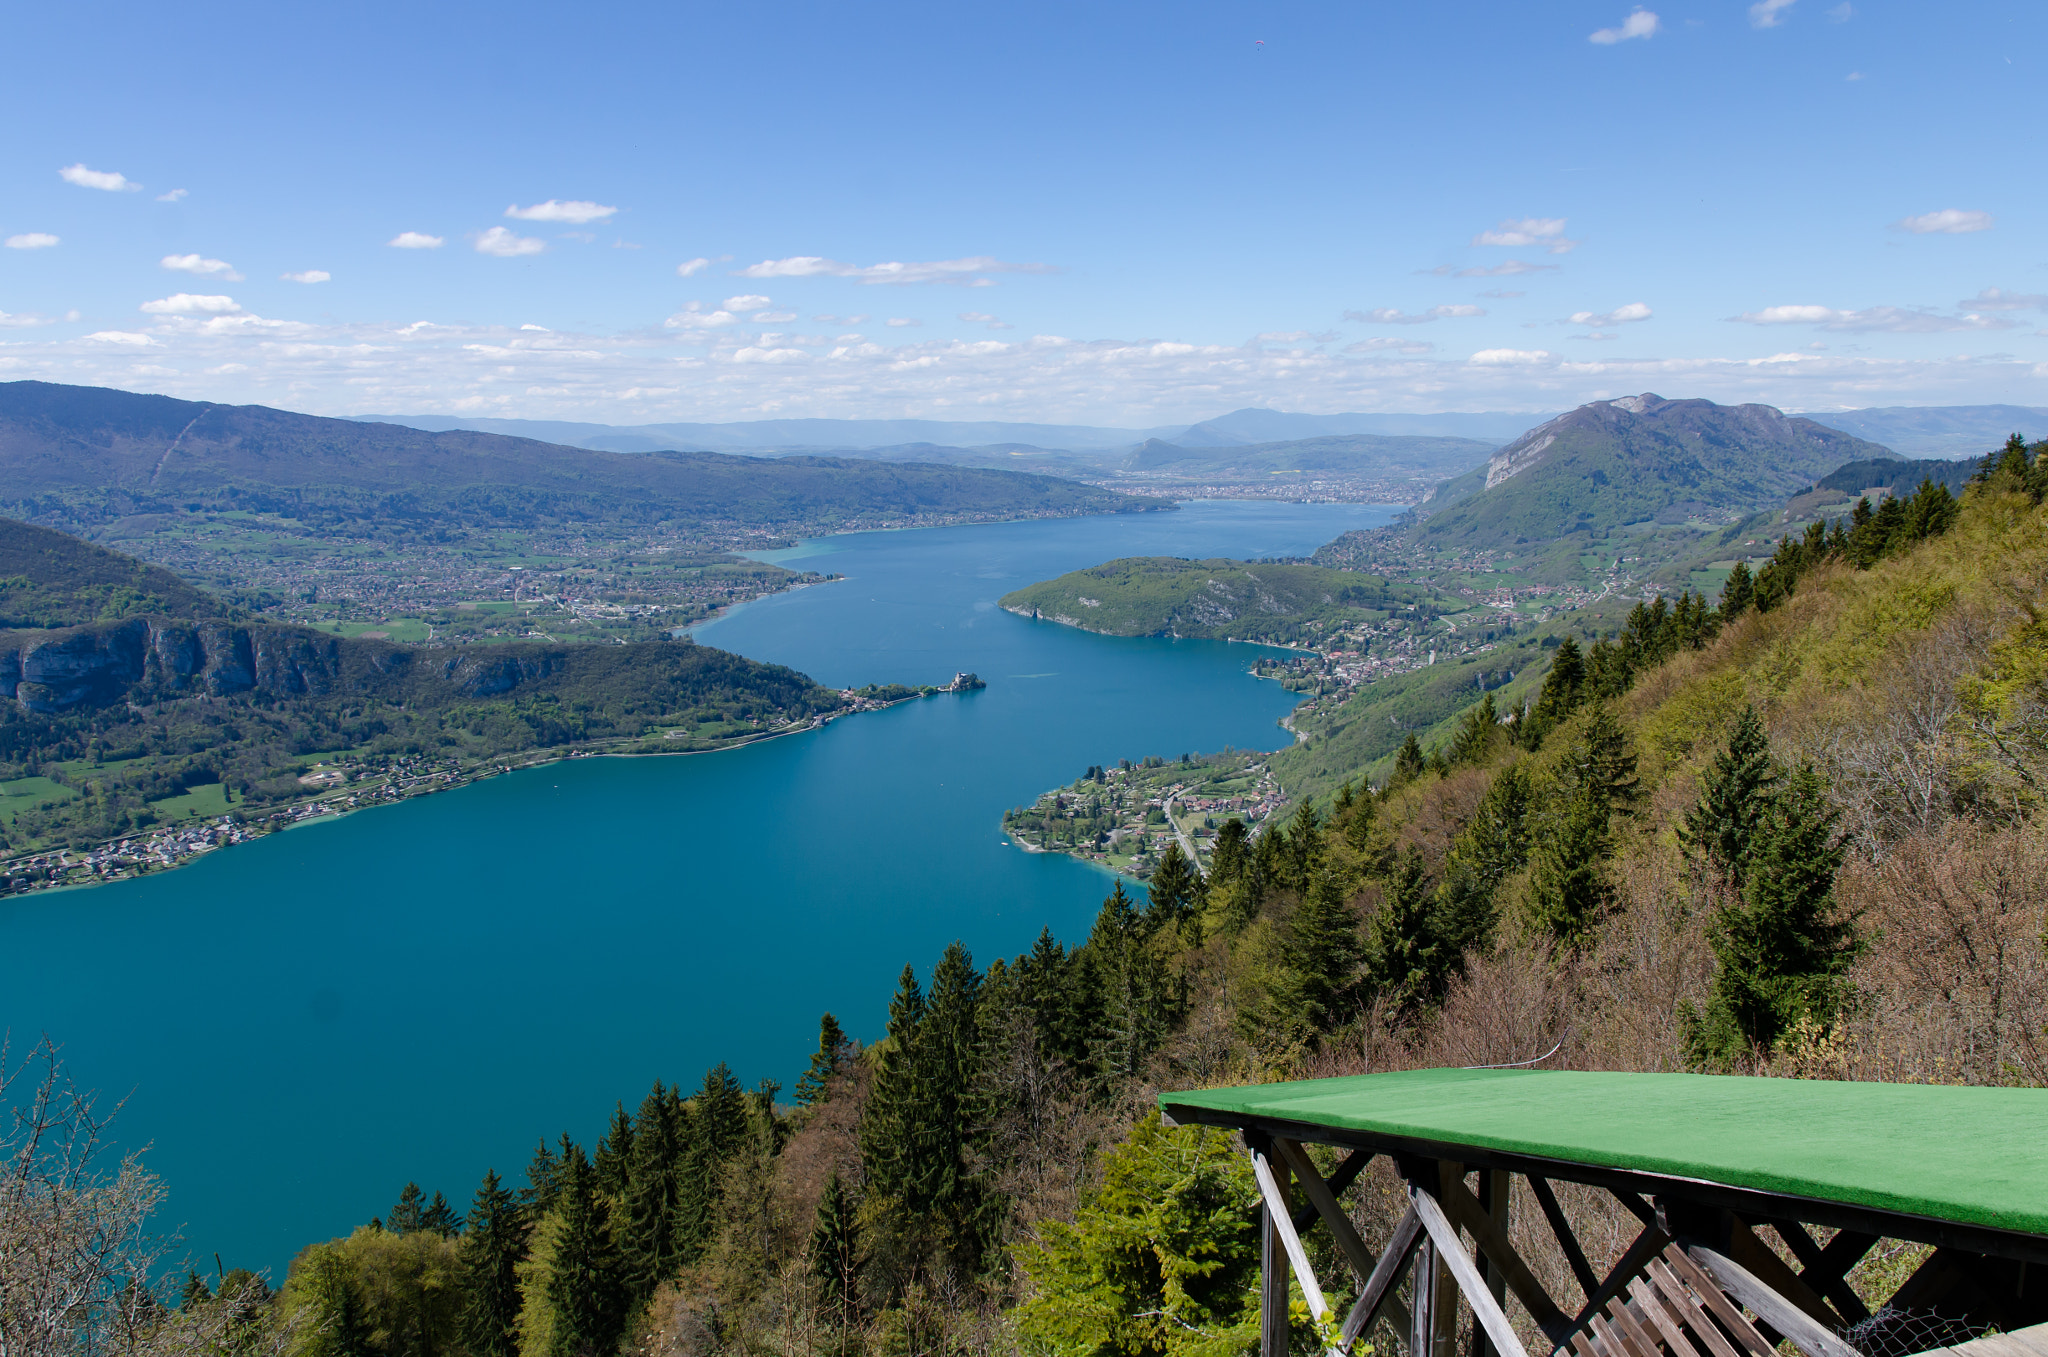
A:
1615, 462
93, 453
1946, 431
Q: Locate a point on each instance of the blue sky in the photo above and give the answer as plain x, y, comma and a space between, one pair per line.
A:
1130, 214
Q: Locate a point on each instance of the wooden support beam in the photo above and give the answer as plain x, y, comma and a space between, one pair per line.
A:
1508, 1269
1377, 1295
1647, 1245
1725, 1274
1322, 1201
1756, 1257
1281, 1219
1272, 1263
1635, 1205
1496, 1192
1817, 1273
1444, 1236
1582, 1271
1338, 1182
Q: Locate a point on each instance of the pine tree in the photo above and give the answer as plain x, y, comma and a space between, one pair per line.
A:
1062, 1017
1564, 687
1355, 821
835, 1257
1486, 852
440, 1218
1569, 884
1477, 733
1320, 956
1781, 955
1175, 887
586, 1285
410, 1213
717, 1131
1135, 996
614, 1153
891, 1107
944, 1136
491, 1249
1738, 594
542, 1178
654, 1192
1409, 763
1404, 948
1601, 759
1303, 847
337, 1325
1735, 797
834, 1050
1227, 859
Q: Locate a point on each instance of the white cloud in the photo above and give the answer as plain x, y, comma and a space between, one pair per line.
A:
415, 240
745, 302
1842, 13
127, 337
205, 268
1523, 232
1296, 337
307, 276
189, 304
1998, 299
576, 212
16, 321
1898, 320
1950, 221
542, 328
773, 317
1502, 293
1853, 75
1598, 334
695, 317
900, 322
108, 180
505, 245
1384, 343
31, 240
688, 267
1639, 24
981, 318
964, 272
173, 196
1620, 315
1768, 13
1387, 315
1496, 358
842, 320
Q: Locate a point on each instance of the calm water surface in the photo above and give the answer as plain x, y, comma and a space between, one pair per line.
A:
302, 1024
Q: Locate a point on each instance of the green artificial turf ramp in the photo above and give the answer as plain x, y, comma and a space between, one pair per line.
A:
1977, 1156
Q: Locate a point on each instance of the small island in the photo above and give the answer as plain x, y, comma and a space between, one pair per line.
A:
1123, 817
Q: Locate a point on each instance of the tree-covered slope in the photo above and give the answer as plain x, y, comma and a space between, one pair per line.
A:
1168, 595
1618, 462
52, 579
94, 453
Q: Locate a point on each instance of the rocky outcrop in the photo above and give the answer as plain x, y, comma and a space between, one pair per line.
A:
144, 658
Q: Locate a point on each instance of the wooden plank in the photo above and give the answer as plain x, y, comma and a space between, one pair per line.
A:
1272, 1266
1806, 1333
1338, 1182
1646, 1247
1484, 1311
1707, 1290
1423, 1296
1659, 1314
1378, 1291
1752, 1254
1583, 1346
1625, 1323
1324, 1203
1615, 1341
1282, 1220
1685, 1307
1845, 1251
2028, 1342
1582, 1271
1460, 1205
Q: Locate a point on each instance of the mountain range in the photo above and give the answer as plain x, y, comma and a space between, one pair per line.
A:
90, 454
1617, 462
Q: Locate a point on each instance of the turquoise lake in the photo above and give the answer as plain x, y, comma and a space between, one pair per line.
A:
302, 1024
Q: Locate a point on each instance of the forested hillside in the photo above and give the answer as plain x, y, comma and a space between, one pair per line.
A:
1245, 600
1795, 832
